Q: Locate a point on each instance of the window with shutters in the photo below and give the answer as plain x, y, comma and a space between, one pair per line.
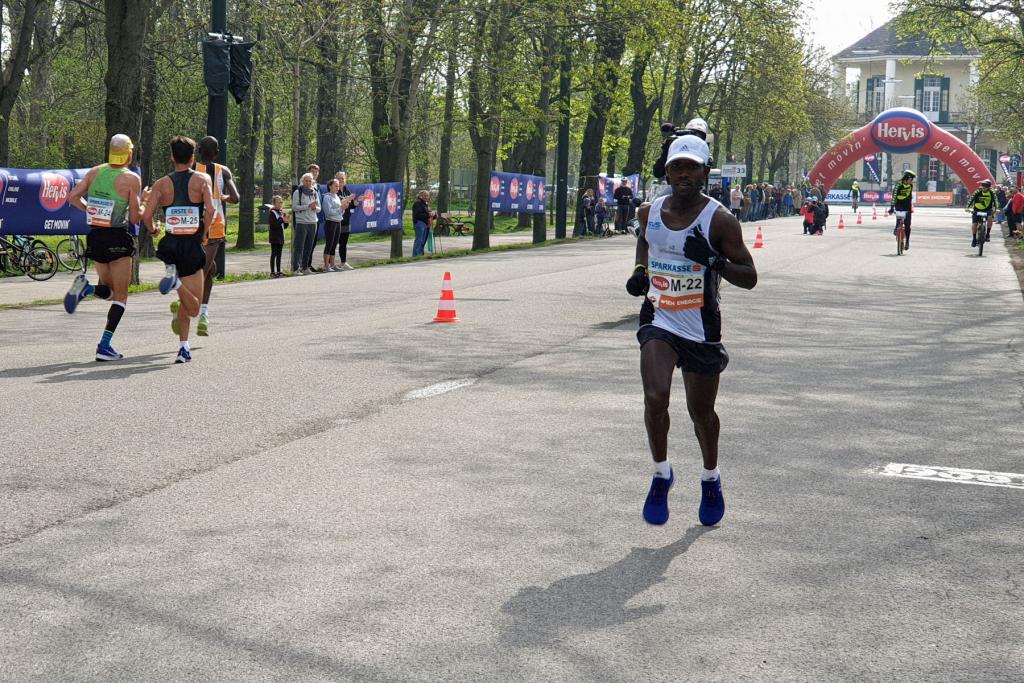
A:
931, 99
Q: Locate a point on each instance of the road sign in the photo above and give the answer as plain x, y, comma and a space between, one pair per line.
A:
734, 170
1015, 159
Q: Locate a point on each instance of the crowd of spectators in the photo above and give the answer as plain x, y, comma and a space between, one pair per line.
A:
762, 201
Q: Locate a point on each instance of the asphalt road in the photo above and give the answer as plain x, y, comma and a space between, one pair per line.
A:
300, 504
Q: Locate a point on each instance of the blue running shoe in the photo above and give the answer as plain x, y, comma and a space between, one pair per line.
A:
712, 502
80, 289
183, 356
169, 278
656, 505
105, 353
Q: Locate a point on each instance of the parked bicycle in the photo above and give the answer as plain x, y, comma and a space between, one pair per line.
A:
71, 253
23, 256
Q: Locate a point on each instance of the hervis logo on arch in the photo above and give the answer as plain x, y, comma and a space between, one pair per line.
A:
901, 130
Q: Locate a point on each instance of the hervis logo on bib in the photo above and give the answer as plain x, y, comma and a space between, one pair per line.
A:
900, 130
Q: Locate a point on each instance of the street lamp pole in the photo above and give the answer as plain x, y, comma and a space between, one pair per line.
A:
217, 106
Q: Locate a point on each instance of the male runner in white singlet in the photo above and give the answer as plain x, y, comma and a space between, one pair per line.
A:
688, 242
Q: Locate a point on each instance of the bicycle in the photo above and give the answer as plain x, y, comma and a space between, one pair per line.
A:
979, 226
27, 257
448, 224
899, 232
71, 253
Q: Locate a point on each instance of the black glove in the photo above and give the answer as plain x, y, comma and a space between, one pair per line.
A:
638, 282
697, 249
891, 210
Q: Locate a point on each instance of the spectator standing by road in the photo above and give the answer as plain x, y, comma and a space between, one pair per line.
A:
348, 204
421, 216
589, 206
1001, 196
332, 224
278, 224
623, 196
1017, 207
306, 205
314, 170
736, 200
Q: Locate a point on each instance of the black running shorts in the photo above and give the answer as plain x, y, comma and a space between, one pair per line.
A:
698, 357
105, 245
182, 251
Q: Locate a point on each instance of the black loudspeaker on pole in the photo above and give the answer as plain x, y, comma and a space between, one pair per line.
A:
217, 105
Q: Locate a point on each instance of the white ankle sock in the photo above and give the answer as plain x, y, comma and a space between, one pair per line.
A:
184, 345
204, 309
177, 283
710, 475
663, 470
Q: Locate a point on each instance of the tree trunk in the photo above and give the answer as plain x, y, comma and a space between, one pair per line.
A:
605, 79
19, 46
268, 153
245, 171
643, 114
444, 172
146, 137
296, 96
127, 26
305, 159
328, 122
749, 160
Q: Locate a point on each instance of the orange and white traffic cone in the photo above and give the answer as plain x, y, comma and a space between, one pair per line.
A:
759, 239
842, 224
859, 221
446, 305
874, 213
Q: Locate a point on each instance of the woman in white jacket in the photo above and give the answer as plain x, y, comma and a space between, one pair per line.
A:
305, 206
332, 225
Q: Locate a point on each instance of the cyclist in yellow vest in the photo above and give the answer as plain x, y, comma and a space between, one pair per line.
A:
109, 196
224, 192
982, 206
903, 201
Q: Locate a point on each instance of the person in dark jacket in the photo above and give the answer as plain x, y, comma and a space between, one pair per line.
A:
421, 216
820, 217
278, 224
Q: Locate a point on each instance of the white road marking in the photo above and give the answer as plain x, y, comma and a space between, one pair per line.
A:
953, 475
439, 388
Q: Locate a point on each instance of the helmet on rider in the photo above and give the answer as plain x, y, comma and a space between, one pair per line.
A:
909, 175
986, 182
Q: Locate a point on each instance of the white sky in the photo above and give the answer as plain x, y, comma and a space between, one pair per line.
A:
837, 24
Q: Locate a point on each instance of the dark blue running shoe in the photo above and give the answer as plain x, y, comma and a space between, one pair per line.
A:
712, 502
656, 505
80, 288
107, 353
183, 356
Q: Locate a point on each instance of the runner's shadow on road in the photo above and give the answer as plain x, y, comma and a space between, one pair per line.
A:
85, 370
586, 602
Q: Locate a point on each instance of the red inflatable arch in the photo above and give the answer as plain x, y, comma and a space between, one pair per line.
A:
901, 131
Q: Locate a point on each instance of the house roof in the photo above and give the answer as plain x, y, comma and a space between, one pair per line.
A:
883, 41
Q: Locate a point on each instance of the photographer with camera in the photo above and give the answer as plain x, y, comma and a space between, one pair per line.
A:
623, 204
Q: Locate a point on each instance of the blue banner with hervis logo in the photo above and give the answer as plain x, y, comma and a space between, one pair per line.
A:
517, 192
35, 202
379, 207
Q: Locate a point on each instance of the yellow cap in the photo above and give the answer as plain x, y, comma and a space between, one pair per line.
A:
120, 150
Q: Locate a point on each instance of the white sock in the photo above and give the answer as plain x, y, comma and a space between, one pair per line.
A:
204, 309
710, 475
663, 470
184, 345
177, 283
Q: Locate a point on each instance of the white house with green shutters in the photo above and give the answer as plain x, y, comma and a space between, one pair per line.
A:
883, 71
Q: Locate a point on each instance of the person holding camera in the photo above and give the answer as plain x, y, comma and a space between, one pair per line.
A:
688, 243
421, 219
623, 204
